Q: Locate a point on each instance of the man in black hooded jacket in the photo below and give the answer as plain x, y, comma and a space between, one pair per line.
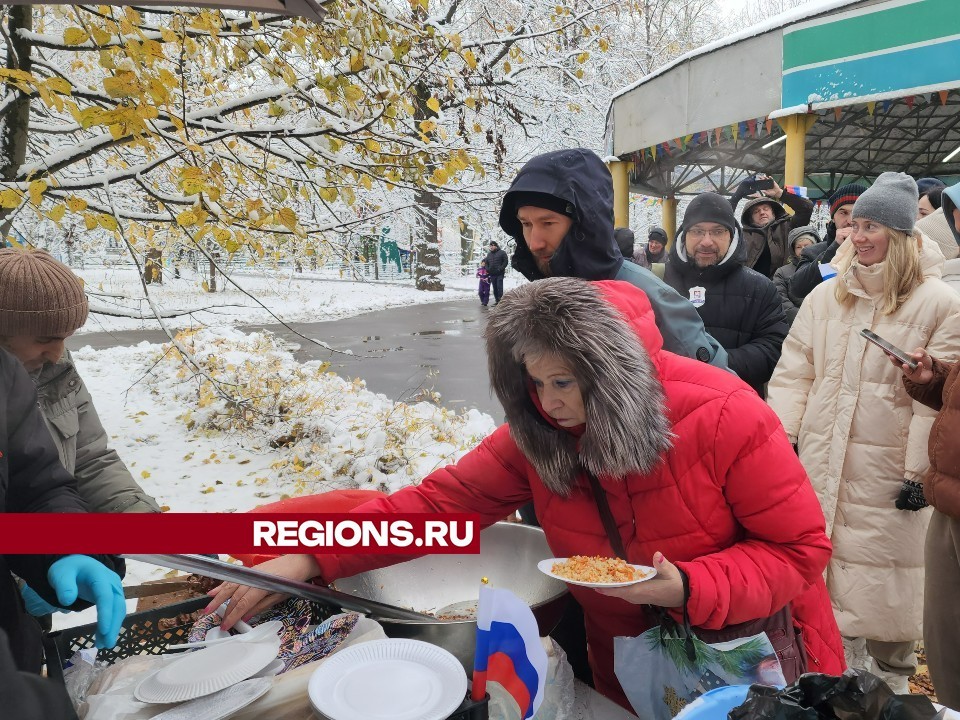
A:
559, 209
740, 307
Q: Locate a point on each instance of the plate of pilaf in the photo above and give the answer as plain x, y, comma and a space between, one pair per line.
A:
595, 571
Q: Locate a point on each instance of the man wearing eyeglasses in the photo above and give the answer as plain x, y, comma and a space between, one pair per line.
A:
740, 308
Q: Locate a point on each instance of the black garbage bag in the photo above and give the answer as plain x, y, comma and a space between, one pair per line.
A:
855, 695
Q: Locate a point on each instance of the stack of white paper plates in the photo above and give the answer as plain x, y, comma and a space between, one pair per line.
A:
206, 671
395, 679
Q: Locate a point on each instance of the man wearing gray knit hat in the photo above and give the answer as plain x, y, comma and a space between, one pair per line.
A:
42, 303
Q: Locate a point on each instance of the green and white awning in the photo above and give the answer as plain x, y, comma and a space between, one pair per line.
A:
894, 49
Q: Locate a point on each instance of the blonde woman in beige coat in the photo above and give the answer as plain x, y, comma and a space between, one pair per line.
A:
861, 438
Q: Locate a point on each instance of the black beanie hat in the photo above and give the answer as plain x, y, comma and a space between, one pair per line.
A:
541, 200
657, 232
710, 207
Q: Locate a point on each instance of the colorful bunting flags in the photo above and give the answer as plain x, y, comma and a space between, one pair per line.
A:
752, 127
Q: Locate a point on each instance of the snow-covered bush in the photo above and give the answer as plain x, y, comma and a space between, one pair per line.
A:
327, 432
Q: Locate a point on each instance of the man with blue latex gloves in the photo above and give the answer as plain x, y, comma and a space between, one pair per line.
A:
33, 480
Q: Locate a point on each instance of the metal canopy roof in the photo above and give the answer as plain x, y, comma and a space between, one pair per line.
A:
880, 76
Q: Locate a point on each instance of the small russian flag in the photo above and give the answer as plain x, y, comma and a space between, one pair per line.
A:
509, 650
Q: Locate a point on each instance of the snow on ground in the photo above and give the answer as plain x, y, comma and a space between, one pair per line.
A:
308, 430
291, 296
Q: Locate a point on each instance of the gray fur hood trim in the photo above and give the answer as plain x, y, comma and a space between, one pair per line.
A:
627, 429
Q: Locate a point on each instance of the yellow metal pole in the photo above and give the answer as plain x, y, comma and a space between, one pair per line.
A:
621, 192
795, 127
669, 210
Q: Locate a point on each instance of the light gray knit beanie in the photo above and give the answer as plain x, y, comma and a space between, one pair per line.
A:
39, 295
891, 201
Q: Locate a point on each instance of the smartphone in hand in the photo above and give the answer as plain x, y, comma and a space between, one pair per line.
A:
889, 348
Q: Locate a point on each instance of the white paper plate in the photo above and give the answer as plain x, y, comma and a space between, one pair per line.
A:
220, 704
206, 671
545, 566
395, 679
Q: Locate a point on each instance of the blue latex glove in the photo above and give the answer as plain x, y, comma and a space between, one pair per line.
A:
81, 576
36, 605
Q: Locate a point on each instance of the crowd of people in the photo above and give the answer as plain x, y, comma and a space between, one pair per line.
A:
708, 406
705, 404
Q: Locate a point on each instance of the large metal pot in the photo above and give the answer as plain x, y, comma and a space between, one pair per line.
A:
508, 557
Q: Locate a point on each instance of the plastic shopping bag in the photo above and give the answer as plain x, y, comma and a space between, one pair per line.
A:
855, 695
665, 668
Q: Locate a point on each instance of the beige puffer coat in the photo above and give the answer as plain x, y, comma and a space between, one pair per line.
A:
860, 435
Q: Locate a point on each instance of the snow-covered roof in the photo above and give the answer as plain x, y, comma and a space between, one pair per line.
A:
888, 69
798, 14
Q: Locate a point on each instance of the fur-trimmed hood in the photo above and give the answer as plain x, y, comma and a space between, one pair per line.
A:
596, 327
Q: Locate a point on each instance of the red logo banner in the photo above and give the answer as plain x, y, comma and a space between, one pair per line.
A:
238, 533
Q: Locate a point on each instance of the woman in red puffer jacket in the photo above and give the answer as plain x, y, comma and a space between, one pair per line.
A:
698, 473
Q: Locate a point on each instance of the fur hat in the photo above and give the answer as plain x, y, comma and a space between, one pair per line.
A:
39, 296
890, 201
844, 195
627, 428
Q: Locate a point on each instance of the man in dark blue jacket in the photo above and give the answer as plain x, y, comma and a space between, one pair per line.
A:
559, 209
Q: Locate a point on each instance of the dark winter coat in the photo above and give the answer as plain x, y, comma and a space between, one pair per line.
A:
742, 309
31, 480
27, 696
766, 247
589, 250
781, 278
683, 452
781, 281
808, 275
497, 262
104, 481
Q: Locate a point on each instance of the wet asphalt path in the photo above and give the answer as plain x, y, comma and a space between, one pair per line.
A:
398, 352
